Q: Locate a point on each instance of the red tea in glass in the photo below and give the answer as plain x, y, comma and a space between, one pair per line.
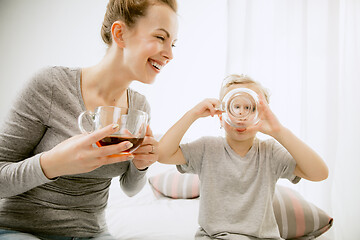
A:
118, 139
132, 126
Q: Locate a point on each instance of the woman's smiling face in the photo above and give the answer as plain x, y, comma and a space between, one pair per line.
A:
148, 45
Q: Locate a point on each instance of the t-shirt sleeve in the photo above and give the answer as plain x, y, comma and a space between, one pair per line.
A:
193, 153
283, 163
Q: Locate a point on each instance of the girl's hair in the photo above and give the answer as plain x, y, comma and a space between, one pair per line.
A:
241, 79
128, 11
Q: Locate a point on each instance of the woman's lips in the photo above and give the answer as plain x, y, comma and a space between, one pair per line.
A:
157, 66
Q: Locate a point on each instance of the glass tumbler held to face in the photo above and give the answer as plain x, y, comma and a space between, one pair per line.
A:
240, 108
132, 125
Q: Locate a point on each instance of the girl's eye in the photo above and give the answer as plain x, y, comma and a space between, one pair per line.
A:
173, 45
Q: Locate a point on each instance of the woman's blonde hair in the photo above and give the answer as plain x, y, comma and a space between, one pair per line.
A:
241, 79
128, 11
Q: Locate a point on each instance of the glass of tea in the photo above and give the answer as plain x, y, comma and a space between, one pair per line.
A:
132, 125
240, 108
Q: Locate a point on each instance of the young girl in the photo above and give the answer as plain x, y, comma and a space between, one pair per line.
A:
53, 183
238, 173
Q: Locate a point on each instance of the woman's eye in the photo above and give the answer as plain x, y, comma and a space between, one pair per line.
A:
161, 38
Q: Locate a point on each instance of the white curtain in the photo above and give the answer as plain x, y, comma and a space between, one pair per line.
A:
308, 54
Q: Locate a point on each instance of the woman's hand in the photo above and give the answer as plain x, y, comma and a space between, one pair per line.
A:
77, 154
206, 108
147, 153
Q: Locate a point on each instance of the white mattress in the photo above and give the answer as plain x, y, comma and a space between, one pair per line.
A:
146, 217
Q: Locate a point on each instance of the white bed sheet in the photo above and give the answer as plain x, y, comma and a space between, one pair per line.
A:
143, 216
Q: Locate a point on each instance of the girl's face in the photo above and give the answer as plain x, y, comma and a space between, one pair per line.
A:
148, 45
239, 134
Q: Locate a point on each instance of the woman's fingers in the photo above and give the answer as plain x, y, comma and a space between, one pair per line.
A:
149, 144
112, 149
149, 132
146, 149
149, 140
76, 155
101, 133
142, 161
103, 151
146, 154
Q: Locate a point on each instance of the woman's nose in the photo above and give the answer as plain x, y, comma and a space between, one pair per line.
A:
168, 53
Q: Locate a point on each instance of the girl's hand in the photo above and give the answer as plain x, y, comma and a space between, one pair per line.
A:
268, 124
206, 108
147, 153
77, 154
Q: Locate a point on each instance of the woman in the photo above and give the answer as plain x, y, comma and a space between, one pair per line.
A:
53, 183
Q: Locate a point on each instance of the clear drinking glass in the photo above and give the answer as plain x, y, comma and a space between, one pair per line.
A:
240, 108
132, 125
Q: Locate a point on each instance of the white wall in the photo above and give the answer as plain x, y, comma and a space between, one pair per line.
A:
39, 33
197, 69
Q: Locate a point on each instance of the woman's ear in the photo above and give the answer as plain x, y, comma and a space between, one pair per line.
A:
117, 32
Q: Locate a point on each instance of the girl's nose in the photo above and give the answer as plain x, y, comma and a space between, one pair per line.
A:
241, 110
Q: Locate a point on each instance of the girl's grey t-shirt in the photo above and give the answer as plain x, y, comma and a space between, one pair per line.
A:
236, 193
45, 114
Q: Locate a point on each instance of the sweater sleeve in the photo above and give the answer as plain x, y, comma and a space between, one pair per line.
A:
21, 131
133, 180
